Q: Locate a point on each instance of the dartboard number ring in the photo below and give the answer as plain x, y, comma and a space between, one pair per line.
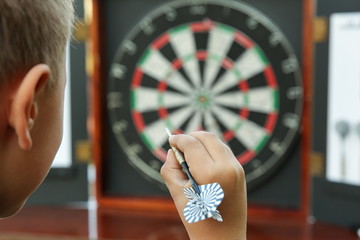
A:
219, 66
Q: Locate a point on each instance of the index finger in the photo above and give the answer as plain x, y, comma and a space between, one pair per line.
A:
217, 149
194, 151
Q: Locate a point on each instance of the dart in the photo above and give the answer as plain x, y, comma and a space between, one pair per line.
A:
181, 160
203, 199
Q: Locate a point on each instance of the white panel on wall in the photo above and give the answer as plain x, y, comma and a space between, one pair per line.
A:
343, 130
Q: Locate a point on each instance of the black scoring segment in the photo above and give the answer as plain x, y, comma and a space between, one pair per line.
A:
201, 40
256, 81
168, 52
251, 32
235, 51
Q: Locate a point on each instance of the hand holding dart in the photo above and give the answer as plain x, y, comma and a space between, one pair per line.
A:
202, 200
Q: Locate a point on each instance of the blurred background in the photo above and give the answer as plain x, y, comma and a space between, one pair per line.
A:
313, 193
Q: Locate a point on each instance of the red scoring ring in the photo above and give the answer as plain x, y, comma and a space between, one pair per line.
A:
227, 63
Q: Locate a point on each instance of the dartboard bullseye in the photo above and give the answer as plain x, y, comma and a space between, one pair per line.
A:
218, 66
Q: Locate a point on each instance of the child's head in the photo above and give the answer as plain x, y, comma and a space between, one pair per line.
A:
33, 37
32, 32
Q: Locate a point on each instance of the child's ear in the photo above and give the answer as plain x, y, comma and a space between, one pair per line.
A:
23, 107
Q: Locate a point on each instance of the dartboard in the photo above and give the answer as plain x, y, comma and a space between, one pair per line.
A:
218, 66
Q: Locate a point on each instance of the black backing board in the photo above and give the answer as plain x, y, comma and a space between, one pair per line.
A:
283, 189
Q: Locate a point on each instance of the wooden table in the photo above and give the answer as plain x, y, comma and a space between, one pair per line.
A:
59, 223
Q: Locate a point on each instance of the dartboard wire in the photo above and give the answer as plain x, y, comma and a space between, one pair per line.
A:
250, 63
183, 42
250, 134
228, 134
233, 35
154, 64
207, 117
268, 127
149, 64
177, 118
228, 118
153, 135
177, 63
272, 28
162, 109
261, 99
160, 153
247, 100
211, 124
235, 99
195, 122
263, 19
221, 38
146, 99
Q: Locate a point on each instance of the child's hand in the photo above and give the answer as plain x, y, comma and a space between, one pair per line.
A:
210, 161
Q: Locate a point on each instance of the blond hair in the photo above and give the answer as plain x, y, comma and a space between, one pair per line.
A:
32, 32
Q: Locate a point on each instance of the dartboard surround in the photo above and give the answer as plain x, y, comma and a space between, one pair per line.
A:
219, 67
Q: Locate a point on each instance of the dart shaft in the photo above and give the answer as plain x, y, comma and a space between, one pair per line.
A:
181, 160
178, 155
185, 168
